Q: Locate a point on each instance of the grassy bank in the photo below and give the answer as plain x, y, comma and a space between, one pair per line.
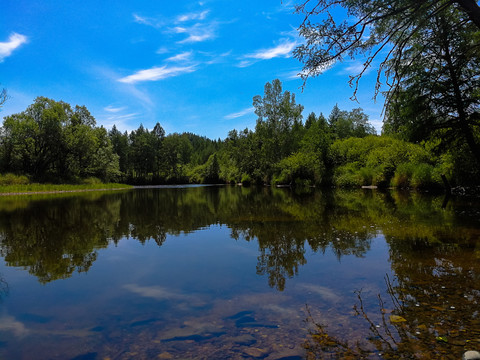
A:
45, 188
52, 188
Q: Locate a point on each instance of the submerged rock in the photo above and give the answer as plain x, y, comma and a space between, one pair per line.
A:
471, 355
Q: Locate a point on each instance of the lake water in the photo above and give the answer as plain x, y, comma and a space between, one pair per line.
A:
239, 273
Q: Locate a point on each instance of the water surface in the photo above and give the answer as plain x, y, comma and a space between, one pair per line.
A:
229, 272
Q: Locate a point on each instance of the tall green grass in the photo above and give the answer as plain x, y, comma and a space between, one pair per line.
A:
59, 187
10, 183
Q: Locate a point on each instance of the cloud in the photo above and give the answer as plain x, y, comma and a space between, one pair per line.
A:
239, 114
293, 75
355, 68
157, 73
112, 109
283, 49
196, 33
149, 21
10, 324
193, 16
111, 78
185, 56
155, 292
117, 116
162, 50
14, 41
121, 121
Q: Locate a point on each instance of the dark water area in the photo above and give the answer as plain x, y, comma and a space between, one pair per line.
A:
239, 273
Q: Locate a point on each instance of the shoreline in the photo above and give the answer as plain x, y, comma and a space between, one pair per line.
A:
58, 191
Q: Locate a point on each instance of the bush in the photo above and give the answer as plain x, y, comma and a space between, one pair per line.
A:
403, 175
348, 176
367, 174
11, 179
91, 181
422, 176
300, 168
246, 180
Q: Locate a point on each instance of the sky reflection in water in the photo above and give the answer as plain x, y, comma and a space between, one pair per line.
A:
238, 273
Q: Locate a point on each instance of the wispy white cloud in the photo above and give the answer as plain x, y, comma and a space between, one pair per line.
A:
283, 49
14, 41
111, 77
292, 75
162, 50
239, 114
118, 116
182, 57
354, 68
215, 58
196, 33
121, 121
149, 21
182, 24
112, 109
193, 16
157, 73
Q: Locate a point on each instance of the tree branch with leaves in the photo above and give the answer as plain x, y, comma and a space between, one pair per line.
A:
428, 47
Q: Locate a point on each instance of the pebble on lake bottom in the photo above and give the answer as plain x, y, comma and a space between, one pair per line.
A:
471, 355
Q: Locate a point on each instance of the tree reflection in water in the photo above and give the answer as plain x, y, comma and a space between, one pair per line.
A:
430, 310
53, 238
4, 289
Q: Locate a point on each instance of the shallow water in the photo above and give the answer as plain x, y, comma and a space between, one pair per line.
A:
229, 272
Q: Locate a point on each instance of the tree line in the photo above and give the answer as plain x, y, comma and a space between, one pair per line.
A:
52, 142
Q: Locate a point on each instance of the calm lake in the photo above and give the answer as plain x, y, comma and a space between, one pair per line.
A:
239, 273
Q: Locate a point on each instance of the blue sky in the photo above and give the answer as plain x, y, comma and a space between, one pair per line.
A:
190, 65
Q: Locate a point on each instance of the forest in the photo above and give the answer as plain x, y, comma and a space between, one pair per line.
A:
52, 142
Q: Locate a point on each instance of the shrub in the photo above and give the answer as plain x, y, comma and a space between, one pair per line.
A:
91, 181
246, 180
348, 176
422, 176
367, 174
12, 179
403, 175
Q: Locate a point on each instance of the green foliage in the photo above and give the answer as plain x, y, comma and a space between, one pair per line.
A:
246, 179
346, 124
12, 179
422, 176
91, 181
438, 95
403, 175
279, 126
208, 173
383, 161
432, 67
88, 184
348, 175
50, 141
299, 168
